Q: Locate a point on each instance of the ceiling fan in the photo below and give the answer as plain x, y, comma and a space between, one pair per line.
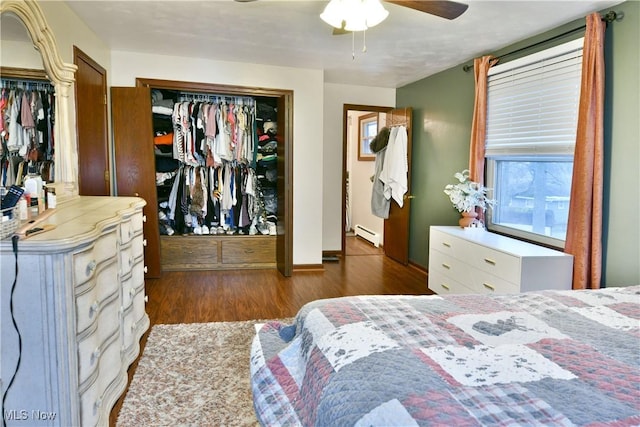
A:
442, 8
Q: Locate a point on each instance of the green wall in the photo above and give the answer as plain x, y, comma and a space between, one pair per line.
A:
443, 105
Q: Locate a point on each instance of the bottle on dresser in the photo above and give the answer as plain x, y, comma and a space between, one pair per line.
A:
34, 188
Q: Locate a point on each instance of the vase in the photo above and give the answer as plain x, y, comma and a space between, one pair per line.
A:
468, 218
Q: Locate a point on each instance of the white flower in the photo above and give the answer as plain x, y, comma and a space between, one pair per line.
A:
467, 195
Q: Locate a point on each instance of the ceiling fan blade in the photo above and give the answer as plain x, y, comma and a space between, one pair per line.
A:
443, 9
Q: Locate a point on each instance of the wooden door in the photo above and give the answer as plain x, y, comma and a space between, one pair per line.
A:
284, 242
396, 227
91, 117
135, 161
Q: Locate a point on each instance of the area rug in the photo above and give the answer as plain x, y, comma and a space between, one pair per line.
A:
193, 375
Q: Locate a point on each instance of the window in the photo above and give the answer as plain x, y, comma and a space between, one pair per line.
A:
367, 130
531, 130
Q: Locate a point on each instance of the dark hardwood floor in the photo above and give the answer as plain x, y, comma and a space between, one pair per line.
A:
215, 296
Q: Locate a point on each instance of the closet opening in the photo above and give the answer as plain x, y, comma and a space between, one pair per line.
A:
222, 171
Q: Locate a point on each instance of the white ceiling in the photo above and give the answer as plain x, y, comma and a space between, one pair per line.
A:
406, 47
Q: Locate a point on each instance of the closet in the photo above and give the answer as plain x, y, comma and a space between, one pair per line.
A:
214, 164
27, 111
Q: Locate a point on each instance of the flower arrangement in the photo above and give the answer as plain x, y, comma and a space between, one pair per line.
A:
466, 195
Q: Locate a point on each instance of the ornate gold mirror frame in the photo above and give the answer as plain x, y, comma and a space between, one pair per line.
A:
62, 75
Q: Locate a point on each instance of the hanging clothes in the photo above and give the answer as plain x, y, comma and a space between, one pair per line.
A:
396, 166
380, 205
27, 119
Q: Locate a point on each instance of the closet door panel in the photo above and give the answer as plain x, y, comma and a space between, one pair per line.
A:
135, 161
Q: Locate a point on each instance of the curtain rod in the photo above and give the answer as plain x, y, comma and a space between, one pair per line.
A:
608, 18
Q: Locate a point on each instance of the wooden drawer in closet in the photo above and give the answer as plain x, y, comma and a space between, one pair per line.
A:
249, 251
189, 252
218, 252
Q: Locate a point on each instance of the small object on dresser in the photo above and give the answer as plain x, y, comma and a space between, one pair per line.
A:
51, 198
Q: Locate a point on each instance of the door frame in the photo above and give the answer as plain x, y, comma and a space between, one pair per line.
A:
284, 238
345, 121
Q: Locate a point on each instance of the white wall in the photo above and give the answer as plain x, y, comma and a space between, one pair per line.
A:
360, 184
69, 30
20, 55
307, 85
335, 97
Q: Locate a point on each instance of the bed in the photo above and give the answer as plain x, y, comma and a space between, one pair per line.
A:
544, 358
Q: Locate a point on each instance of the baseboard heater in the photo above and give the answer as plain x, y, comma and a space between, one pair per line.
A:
367, 234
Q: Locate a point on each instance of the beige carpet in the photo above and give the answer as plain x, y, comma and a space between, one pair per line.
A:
193, 375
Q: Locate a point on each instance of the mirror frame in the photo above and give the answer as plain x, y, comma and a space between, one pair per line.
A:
62, 75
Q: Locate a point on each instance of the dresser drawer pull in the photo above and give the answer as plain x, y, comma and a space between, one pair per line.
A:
94, 308
489, 261
91, 267
133, 326
144, 218
447, 266
488, 286
130, 261
132, 291
98, 403
144, 242
145, 269
146, 298
445, 244
95, 355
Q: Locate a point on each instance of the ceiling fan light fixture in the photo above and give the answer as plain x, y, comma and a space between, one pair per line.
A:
375, 12
354, 15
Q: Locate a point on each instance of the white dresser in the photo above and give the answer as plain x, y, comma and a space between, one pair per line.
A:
478, 261
79, 304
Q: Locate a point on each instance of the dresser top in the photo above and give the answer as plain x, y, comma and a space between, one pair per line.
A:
499, 242
75, 221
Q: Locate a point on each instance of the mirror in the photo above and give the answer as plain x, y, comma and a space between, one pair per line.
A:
21, 15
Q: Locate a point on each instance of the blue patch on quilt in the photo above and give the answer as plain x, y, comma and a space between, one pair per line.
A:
287, 333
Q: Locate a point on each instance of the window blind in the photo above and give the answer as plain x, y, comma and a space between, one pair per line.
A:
532, 103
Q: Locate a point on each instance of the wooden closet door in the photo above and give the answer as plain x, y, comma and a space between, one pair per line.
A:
91, 121
135, 161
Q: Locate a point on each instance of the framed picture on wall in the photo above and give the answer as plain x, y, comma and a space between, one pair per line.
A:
367, 130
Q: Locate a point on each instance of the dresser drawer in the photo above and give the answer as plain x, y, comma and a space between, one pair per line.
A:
137, 247
495, 262
86, 262
442, 284
92, 295
131, 227
448, 244
134, 319
133, 284
92, 398
482, 282
450, 266
91, 346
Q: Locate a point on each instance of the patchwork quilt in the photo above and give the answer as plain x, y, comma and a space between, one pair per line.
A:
547, 358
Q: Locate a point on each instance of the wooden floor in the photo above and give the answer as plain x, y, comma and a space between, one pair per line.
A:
193, 297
